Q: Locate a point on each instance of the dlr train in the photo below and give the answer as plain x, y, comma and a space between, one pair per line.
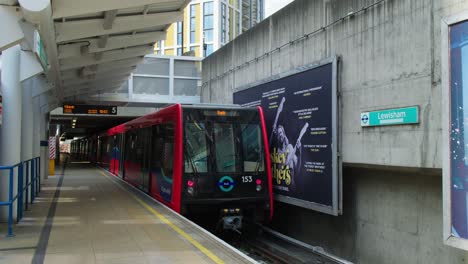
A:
197, 160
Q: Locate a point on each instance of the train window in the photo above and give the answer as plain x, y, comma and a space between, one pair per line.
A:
225, 145
168, 157
196, 155
163, 149
252, 150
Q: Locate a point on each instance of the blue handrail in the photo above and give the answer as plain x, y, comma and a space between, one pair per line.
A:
32, 169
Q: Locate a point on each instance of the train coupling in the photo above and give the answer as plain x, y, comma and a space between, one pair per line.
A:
232, 219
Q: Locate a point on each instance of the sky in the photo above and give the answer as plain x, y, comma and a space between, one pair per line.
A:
271, 6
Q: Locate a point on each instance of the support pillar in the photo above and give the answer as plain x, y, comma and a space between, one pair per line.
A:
27, 127
10, 141
36, 127
44, 135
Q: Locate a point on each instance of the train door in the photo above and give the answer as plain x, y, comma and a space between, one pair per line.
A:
145, 142
115, 155
162, 157
99, 151
129, 164
122, 155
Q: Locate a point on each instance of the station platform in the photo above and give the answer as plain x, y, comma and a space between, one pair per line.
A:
85, 215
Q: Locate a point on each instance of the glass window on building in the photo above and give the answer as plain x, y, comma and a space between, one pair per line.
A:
179, 51
260, 9
193, 9
158, 47
208, 34
179, 33
238, 23
208, 8
223, 23
230, 25
209, 49
208, 24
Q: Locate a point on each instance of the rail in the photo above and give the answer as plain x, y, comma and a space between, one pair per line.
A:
30, 186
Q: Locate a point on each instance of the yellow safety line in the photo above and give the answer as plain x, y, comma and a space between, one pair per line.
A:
181, 232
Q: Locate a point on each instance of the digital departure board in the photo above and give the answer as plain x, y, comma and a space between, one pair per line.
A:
89, 109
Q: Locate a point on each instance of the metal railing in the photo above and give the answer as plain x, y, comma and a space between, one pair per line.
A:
28, 171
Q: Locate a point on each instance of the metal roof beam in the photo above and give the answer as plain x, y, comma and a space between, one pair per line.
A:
12, 33
102, 42
101, 68
68, 8
72, 30
107, 76
114, 55
109, 17
87, 73
116, 80
91, 86
116, 42
82, 91
8, 2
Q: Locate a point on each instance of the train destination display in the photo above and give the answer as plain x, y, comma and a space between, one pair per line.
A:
300, 114
89, 109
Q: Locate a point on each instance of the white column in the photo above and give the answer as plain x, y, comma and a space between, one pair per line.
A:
10, 140
36, 126
27, 126
44, 135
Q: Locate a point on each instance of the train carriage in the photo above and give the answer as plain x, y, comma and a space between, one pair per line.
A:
195, 160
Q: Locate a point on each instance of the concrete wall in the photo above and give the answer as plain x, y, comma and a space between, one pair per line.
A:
390, 217
390, 57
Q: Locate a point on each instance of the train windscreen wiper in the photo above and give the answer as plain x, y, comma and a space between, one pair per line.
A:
187, 153
258, 163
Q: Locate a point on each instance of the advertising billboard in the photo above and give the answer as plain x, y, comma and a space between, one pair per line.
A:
455, 129
301, 117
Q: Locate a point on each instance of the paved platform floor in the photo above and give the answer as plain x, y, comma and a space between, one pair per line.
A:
88, 216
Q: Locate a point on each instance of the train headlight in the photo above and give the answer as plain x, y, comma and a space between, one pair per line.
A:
258, 188
190, 190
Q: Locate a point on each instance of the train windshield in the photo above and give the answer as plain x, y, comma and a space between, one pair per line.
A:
228, 143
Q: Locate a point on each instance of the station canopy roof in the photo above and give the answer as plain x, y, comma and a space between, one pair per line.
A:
93, 45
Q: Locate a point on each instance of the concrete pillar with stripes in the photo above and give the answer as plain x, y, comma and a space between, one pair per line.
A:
52, 154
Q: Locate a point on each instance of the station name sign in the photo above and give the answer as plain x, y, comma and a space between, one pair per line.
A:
397, 116
89, 109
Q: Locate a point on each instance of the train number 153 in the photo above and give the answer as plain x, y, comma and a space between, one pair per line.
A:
247, 179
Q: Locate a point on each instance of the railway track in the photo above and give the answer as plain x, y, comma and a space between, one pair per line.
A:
268, 246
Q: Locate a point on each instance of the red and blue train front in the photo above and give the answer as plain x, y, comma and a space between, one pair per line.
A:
225, 165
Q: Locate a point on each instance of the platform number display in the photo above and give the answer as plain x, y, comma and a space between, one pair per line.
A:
89, 109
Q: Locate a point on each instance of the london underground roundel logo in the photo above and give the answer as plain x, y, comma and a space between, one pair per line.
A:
226, 184
364, 119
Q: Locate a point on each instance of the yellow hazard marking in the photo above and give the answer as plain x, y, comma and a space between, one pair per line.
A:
181, 232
